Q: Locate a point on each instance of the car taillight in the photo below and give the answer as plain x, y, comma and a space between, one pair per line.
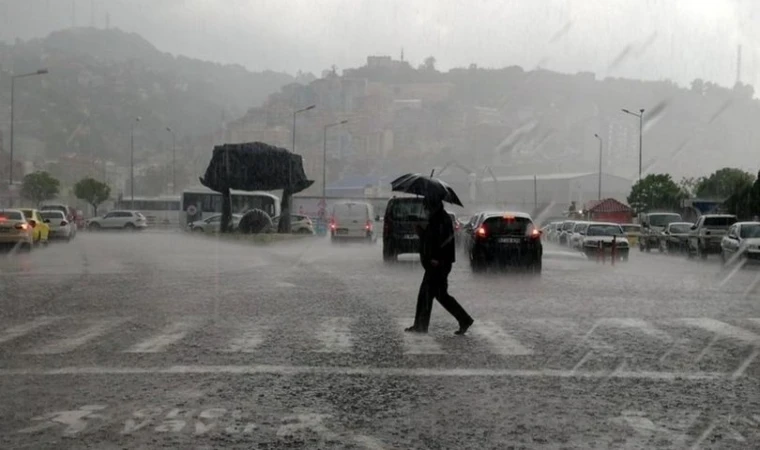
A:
368, 226
535, 233
481, 232
22, 226
333, 225
64, 223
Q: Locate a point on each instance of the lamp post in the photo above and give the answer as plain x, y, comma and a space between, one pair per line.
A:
285, 215
640, 115
324, 158
13, 89
600, 165
132, 162
174, 160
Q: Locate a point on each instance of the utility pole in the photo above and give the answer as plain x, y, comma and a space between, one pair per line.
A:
600, 165
640, 115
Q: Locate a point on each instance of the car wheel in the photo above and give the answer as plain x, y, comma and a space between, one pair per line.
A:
94, 226
389, 253
197, 229
129, 227
641, 247
536, 267
702, 252
304, 231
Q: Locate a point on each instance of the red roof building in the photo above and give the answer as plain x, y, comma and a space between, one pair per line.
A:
608, 210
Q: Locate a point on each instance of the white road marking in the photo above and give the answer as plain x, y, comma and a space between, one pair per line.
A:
284, 284
723, 329
745, 364
640, 325
168, 336
418, 343
502, 342
334, 335
25, 328
368, 371
251, 337
80, 337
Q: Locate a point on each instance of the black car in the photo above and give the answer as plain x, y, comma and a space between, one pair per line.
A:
505, 239
402, 216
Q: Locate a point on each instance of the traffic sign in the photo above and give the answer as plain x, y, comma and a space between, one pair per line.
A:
191, 210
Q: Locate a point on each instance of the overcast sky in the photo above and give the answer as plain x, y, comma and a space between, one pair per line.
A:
651, 39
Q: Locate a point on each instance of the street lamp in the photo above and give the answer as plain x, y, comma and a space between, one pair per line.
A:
13, 86
174, 160
600, 165
285, 215
640, 115
324, 159
132, 162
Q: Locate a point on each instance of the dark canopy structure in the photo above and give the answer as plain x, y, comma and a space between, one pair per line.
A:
255, 166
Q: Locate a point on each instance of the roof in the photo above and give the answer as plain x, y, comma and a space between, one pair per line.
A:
608, 205
549, 176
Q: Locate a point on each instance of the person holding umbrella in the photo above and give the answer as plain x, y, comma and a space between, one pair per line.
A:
437, 251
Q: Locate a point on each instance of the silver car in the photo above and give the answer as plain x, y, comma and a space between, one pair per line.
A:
213, 224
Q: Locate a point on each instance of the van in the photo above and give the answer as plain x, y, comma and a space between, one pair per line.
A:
353, 220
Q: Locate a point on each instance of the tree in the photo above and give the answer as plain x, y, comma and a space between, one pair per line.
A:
92, 191
689, 185
40, 186
724, 183
656, 191
429, 64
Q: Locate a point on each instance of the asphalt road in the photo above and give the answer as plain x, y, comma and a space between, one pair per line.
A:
163, 340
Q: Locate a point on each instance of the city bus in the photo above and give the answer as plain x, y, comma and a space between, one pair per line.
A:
201, 203
158, 211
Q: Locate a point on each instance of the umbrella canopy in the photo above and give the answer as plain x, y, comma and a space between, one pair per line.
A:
429, 187
255, 166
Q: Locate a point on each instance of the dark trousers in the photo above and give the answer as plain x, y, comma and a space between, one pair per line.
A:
435, 284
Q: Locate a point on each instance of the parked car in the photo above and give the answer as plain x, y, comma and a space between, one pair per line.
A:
402, 216
60, 227
676, 237
299, 224
119, 219
707, 234
15, 229
742, 240
605, 236
565, 231
506, 239
576, 235
213, 224
652, 226
35, 220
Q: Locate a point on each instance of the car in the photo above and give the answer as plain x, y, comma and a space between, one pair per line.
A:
633, 233
15, 229
652, 226
41, 229
742, 240
299, 224
212, 224
60, 228
402, 217
563, 238
607, 237
71, 214
506, 239
353, 220
675, 237
706, 235
119, 219
575, 236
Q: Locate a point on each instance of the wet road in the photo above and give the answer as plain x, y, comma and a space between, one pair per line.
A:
171, 341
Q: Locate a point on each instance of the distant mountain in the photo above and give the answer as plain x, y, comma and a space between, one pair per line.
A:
100, 80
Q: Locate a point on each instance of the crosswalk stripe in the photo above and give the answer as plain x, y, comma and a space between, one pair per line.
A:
79, 338
640, 325
502, 342
251, 337
334, 335
25, 328
168, 336
418, 343
723, 329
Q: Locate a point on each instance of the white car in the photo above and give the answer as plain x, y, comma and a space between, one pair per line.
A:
353, 220
213, 224
575, 237
119, 219
69, 213
299, 224
60, 228
741, 240
603, 235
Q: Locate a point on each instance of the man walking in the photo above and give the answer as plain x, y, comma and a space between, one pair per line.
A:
437, 254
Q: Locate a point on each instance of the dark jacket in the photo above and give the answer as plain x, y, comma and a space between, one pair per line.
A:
437, 240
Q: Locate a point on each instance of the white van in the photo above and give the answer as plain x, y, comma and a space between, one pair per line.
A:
353, 220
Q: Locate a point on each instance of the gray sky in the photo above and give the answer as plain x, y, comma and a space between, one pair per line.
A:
652, 39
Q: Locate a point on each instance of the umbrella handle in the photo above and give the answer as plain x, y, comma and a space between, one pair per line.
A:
431, 173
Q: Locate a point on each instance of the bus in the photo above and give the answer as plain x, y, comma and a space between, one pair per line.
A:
158, 211
201, 203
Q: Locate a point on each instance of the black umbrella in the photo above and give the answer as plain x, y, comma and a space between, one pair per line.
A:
433, 188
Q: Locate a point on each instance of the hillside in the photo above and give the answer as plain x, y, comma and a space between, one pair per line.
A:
100, 80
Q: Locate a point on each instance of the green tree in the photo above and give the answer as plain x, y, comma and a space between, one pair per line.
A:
656, 191
92, 191
40, 186
724, 183
689, 185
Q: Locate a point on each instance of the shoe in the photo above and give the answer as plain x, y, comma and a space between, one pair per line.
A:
463, 327
414, 329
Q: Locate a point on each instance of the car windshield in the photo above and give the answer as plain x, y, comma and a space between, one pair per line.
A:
51, 215
719, 221
10, 215
750, 231
629, 228
680, 228
662, 220
508, 225
604, 230
27, 213
567, 226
